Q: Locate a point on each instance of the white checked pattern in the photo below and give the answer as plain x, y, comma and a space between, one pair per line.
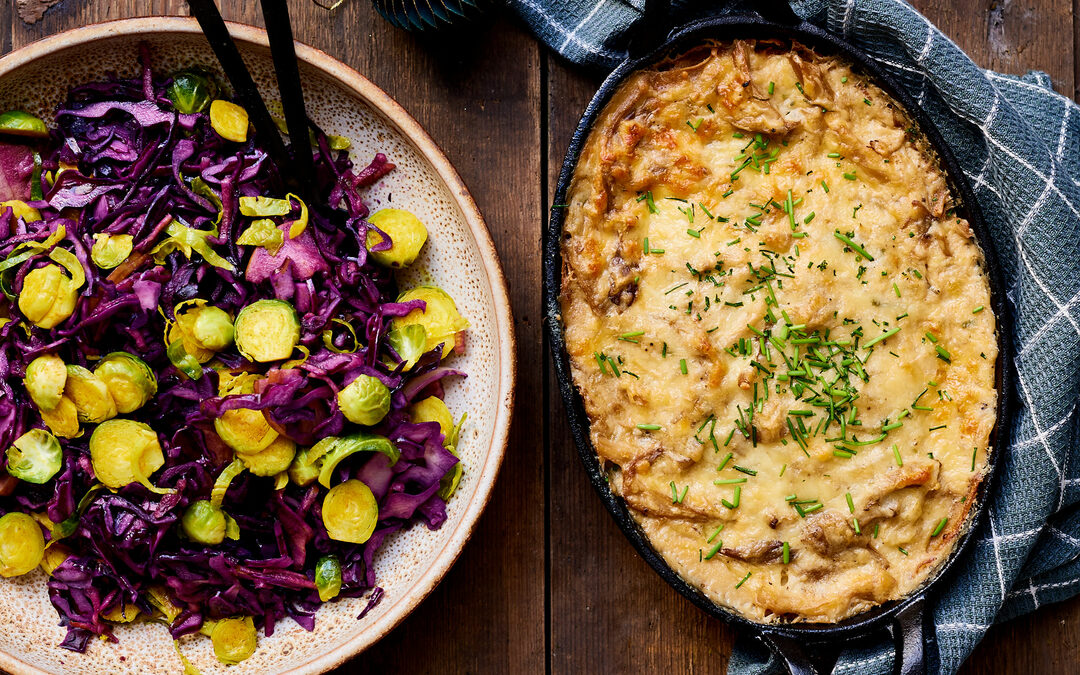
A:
1021, 144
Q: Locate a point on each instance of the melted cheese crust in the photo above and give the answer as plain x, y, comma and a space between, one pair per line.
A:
867, 524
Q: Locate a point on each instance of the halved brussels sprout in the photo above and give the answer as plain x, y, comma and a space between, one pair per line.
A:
45, 379
229, 120
205, 329
204, 523
124, 452
440, 317
55, 555
234, 639
245, 430
90, 395
191, 91
350, 512
433, 409
21, 123
407, 237
307, 463
22, 545
48, 296
109, 250
20, 209
35, 457
129, 380
343, 447
365, 401
161, 598
328, 577
179, 356
63, 420
271, 460
267, 330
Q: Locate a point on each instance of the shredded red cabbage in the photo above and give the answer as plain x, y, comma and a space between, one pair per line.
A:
122, 160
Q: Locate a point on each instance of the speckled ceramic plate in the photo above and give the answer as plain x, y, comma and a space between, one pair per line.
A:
459, 257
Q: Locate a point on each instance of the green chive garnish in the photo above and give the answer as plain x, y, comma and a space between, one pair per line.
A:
786, 555
743, 579
876, 339
896, 454
682, 366
852, 245
940, 527
649, 427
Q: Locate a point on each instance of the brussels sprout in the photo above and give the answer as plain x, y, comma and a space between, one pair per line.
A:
129, 380
410, 343
35, 457
245, 430
407, 236
63, 420
205, 329
236, 381
90, 395
124, 452
179, 356
161, 598
47, 297
55, 555
204, 523
365, 401
328, 577
263, 232
191, 91
440, 317
350, 445
271, 460
264, 206
305, 467
121, 612
433, 409
45, 379
229, 120
234, 639
20, 209
22, 546
267, 330
350, 512
21, 123
109, 250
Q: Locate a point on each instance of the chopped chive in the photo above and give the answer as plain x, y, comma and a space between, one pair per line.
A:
825, 186
645, 247
649, 427
743, 469
783, 469
629, 337
940, 426
855, 521
940, 526
674, 493
902, 550
852, 245
977, 309
696, 234
600, 360
896, 454
974, 451
714, 549
878, 338
930, 336
713, 535
806, 220
729, 481
943, 354
725, 460
896, 289
772, 87
850, 175
850, 502
786, 555
682, 366
743, 579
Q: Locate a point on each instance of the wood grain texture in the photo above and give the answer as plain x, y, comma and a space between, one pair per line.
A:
548, 583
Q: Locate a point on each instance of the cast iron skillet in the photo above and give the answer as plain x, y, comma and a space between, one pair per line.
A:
805, 648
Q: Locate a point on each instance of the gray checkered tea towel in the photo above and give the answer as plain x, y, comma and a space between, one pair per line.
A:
1019, 143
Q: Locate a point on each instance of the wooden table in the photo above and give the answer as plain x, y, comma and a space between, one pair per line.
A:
548, 583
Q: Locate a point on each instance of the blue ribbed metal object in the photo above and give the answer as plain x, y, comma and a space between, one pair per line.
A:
429, 15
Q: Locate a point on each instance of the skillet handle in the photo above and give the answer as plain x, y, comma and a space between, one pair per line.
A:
911, 637
791, 652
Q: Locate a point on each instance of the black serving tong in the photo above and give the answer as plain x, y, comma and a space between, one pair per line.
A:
298, 170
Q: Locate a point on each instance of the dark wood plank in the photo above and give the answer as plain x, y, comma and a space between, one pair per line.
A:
478, 96
609, 610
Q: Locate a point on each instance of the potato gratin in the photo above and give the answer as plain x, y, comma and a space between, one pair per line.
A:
781, 329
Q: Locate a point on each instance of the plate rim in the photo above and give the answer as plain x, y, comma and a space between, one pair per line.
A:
414, 133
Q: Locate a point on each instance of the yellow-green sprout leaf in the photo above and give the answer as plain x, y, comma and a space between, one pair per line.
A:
350, 445
229, 120
204, 523
203, 189
22, 123
184, 362
300, 224
21, 209
263, 232
221, 485
90, 395
161, 598
338, 142
22, 545
409, 341
328, 577
187, 239
35, 457
45, 379
109, 250
305, 467
189, 667
366, 400
234, 639
71, 263
328, 338
122, 612
440, 317
67, 527
125, 452
264, 206
281, 480
350, 512
407, 236
232, 528
129, 379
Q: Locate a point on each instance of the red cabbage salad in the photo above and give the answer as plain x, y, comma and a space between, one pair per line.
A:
215, 401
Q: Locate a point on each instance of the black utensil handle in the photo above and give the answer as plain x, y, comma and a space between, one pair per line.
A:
792, 652
909, 633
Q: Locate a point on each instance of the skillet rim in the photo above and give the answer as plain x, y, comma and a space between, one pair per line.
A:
751, 26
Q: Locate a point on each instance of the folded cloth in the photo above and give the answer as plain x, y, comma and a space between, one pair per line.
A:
1019, 143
